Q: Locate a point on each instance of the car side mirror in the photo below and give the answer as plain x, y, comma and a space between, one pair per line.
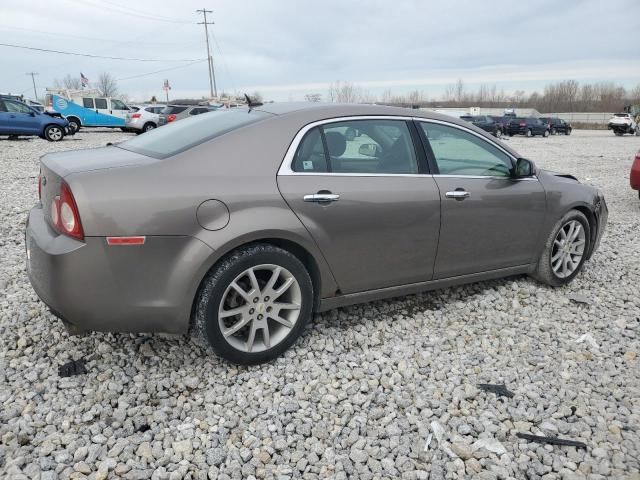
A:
33, 114
524, 168
369, 150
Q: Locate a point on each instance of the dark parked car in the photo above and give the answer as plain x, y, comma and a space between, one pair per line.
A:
527, 126
238, 225
486, 123
19, 119
557, 125
172, 113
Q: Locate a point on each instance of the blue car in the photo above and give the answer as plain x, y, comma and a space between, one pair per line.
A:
19, 119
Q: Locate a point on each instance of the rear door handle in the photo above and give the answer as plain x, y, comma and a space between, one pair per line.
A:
322, 197
458, 194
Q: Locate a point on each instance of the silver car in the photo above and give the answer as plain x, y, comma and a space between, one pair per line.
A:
238, 226
145, 118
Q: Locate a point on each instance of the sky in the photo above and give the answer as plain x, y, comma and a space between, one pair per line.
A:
287, 48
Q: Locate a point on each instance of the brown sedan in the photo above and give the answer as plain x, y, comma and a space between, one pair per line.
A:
238, 225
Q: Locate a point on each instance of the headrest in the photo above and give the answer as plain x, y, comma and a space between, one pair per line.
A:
336, 143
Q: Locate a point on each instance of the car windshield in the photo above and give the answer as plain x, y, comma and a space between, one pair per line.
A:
185, 134
624, 115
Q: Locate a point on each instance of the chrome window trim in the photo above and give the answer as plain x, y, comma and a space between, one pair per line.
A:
287, 161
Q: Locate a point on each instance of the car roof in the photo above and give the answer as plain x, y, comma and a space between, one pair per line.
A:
309, 112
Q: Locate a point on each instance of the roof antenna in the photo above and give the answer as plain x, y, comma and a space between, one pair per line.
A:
251, 103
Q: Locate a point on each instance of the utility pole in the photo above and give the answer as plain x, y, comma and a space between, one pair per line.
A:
213, 89
33, 79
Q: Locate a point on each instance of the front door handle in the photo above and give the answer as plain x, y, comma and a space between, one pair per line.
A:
458, 194
322, 197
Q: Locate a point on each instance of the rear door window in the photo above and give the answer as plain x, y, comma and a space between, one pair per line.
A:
88, 103
358, 146
101, 103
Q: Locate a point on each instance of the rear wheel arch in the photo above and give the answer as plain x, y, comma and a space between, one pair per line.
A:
297, 250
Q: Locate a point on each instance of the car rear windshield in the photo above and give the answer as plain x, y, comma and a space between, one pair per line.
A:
180, 136
173, 109
625, 115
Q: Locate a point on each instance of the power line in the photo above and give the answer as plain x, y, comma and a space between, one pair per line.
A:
141, 12
24, 47
58, 34
126, 11
212, 76
160, 71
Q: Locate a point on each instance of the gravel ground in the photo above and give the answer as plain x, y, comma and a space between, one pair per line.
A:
366, 387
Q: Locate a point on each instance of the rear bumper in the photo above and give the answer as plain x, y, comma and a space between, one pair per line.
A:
133, 124
96, 287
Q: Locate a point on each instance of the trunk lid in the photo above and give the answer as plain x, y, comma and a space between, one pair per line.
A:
66, 163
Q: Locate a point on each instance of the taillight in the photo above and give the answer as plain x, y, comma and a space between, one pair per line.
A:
171, 118
523, 124
64, 213
136, 115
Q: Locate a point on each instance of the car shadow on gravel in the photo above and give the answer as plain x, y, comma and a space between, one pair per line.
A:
409, 305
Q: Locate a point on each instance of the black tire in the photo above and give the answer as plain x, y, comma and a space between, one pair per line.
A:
544, 272
498, 133
618, 133
148, 126
205, 318
568, 131
54, 133
529, 133
74, 124
553, 131
350, 134
124, 129
546, 133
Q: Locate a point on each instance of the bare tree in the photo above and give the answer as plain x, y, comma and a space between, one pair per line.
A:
107, 85
458, 90
313, 97
349, 93
69, 82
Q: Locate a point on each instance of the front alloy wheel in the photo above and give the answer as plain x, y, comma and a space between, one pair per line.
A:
254, 304
568, 249
565, 251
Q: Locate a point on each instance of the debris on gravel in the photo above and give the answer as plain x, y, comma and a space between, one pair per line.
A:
357, 396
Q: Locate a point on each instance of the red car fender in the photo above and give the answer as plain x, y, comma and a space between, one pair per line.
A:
634, 178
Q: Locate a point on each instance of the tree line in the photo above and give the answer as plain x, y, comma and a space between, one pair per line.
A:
564, 96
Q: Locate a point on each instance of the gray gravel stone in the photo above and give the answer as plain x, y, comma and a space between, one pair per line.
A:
356, 396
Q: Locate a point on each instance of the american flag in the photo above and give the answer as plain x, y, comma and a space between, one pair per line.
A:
166, 86
84, 80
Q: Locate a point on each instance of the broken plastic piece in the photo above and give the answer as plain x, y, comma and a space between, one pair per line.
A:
551, 440
74, 367
497, 389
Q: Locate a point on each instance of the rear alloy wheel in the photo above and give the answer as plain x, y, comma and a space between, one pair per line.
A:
53, 133
529, 133
254, 304
565, 250
553, 131
148, 126
546, 133
498, 133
